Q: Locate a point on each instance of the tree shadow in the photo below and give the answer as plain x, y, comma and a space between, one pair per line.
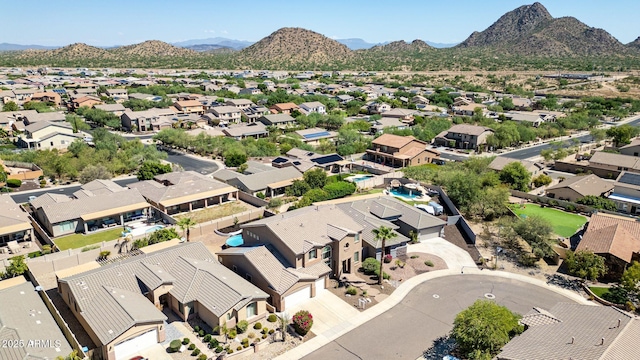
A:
441, 347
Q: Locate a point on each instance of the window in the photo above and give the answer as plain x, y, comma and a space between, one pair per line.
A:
356, 238
356, 256
252, 310
326, 254
313, 254
66, 226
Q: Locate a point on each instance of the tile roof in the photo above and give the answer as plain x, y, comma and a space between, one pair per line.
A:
180, 187
608, 159
262, 180
278, 118
395, 141
584, 185
586, 324
24, 316
468, 129
33, 127
611, 235
359, 211
303, 229
256, 128
190, 267
12, 217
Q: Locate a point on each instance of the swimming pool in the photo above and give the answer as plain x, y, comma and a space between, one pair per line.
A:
359, 178
403, 193
235, 240
153, 229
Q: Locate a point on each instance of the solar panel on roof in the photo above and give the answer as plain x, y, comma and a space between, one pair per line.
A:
327, 159
316, 135
629, 178
279, 160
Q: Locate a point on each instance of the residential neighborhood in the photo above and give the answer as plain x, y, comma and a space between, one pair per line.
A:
226, 207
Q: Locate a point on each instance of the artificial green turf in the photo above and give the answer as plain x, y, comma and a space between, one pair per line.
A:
564, 224
76, 241
599, 291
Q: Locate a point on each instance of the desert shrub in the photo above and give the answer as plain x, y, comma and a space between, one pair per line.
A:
192, 346
242, 326
388, 258
230, 351
415, 256
429, 263
251, 335
260, 195
202, 357
527, 260
244, 341
352, 290
239, 348
264, 330
196, 329
218, 349
213, 344
271, 331
370, 265
195, 352
201, 333
14, 183
264, 336
207, 338
272, 318
175, 345
233, 333
257, 326
302, 322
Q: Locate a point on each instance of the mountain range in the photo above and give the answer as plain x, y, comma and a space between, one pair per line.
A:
528, 31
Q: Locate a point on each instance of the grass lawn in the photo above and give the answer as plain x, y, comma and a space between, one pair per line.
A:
76, 241
369, 192
216, 212
599, 291
564, 224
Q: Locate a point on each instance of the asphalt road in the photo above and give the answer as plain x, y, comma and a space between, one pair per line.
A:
23, 197
533, 151
410, 328
191, 163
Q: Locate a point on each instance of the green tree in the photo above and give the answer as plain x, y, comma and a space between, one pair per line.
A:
17, 266
316, 178
516, 176
234, 159
186, 223
547, 154
622, 134
491, 204
598, 135
481, 330
383, 234
93, 172
298, 188
631, 278
585, 264
149, 169
10, 106
598, 202
77, 123
542, 180
536, 231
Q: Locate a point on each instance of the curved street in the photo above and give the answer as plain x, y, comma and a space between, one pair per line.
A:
427, 313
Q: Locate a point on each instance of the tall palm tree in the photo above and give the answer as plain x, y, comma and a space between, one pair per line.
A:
185, 224
383, 233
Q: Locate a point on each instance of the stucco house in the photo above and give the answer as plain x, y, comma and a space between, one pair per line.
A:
400, 151
577, 187
463, 136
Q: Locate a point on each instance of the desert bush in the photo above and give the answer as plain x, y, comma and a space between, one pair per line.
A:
302, 322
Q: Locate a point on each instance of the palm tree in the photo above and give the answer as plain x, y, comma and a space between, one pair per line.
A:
185, 224
383, 233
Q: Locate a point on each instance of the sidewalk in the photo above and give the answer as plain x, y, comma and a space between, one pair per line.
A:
399, 294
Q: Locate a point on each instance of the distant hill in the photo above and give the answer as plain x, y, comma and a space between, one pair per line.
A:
358, 44
151, 48
220, 41
635, 44
402, 46
530, 30
18, 47
210, 48
295, 46
73, 51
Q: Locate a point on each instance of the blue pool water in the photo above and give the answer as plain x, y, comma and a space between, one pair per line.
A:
235, 240
404, 193
153, 229
361, 178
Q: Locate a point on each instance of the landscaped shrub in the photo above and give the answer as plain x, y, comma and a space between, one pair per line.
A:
207, 338
230, 351
195, 352
251, 335
271, 331
242, 326
257, 326
202, 357
370, 265
201, 333
388, 258
272, 318
264, 336
260, 195
175, 345
104, 255
233, 333
264, 330
302, 322
244, 346
214, 343
14, 183
415, 256
428, 263
218, 349
196, 329
339, 189
527, 260
352, 290
192, 346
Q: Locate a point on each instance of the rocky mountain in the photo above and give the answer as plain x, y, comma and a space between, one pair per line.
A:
210, 48
152, 48
294, 46
635, 44
73, 51
220, 41
402, 46
531, 31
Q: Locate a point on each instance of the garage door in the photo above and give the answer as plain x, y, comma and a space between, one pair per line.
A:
297, 297
130, 347
319, 285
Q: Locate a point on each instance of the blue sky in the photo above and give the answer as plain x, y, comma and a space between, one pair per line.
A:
119, 22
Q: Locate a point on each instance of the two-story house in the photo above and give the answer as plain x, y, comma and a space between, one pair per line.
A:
313, 107
226, 114
306, 246
47, 97
464, 136
118, 94
284, 108
253, 113
47, 135
626, 192
14, 221
240, 103
189, 107
400, 151
147, 120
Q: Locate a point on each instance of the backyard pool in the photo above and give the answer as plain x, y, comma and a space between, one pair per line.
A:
359, 178
401, 192
235, 240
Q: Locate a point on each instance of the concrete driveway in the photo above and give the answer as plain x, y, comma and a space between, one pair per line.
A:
156, 352
330, 313
454, 257
409, 328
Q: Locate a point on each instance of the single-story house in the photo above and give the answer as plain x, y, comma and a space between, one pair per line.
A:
501, 161
240, 131
118, 305
116, 109
181, 192
314, 135
278, 120
577, 187
626, 192
98, 204
15, 224
270, 183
